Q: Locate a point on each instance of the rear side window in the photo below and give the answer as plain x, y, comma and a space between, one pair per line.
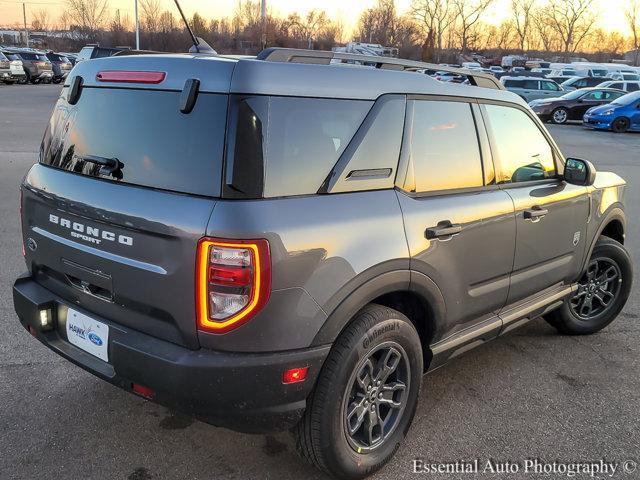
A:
444, 147
285, 146
617, 85
157, 145
633, 87
513, 83
520, 151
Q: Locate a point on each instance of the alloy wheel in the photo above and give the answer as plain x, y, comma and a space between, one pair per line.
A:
597, 290
376, 396
560, 116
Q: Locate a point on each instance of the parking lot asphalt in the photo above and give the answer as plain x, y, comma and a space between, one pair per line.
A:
531, 394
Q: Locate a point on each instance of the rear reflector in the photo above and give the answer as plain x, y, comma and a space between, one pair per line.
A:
295, 375
123, 76
143, 391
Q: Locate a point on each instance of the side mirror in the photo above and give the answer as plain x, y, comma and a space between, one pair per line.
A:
579, 172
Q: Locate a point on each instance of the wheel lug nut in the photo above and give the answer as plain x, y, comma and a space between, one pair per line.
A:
379, 395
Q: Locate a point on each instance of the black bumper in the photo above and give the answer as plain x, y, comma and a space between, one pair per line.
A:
243, 392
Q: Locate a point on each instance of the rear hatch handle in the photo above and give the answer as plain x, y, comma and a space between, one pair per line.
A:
109, 166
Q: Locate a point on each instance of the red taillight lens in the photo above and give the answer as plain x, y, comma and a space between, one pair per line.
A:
295, 375
233, 282
122, 76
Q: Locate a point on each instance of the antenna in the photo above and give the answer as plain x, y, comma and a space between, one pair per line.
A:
199, 45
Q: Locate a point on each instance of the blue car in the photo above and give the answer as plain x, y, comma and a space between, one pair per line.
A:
619, 116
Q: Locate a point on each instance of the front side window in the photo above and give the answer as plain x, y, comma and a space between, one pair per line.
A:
520, 150
551, 86
597, 95
444, 147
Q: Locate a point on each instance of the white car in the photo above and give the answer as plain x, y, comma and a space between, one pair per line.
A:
627, 86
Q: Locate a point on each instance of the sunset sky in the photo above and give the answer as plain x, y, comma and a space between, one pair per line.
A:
611, 12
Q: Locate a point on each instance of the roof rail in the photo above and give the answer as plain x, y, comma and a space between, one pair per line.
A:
324, 57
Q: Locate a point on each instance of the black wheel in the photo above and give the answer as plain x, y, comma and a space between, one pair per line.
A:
602, 291
365, 397
560, 116
27, 78
620, 125
57, 80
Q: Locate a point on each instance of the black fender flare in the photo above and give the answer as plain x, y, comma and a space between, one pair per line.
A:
615, 213
388, 282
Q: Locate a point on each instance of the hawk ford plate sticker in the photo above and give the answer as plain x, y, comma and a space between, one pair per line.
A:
88, 334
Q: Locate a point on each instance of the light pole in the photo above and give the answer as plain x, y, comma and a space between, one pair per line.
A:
137, 27
263, 17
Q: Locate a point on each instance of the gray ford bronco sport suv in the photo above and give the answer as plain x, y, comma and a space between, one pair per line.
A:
283, 243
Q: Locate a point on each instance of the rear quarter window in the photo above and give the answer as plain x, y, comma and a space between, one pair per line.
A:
285, 146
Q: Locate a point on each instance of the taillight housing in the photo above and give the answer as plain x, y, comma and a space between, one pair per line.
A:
233, 282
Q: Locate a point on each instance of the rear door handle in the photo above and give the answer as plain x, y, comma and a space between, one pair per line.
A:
443, 229
535, 213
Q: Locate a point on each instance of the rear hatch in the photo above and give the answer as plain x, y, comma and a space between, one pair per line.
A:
124, 189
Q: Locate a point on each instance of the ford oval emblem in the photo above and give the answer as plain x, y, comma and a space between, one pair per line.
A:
95, 339
31, 244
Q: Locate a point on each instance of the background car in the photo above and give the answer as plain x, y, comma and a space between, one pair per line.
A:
627, 86
532, 88
5, 69
61, 66
96, 51
573, 105
449, 77
36, 66
619, 116
575, 83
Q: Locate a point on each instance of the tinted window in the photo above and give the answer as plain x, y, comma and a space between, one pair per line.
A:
520, 150
444, 147
633, 87
144, 129
617, 85
293, 143
531, 84
513, 83
28, 56
85, 53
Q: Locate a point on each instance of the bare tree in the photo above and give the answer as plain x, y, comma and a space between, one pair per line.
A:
309, 26
88, 15
433, 17
522, 20
150, 11
572, 21
468, 13
41, 20
632, 14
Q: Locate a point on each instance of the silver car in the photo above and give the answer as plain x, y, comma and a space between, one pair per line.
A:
533, 88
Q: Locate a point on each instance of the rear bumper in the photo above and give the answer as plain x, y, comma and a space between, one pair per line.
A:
243, 392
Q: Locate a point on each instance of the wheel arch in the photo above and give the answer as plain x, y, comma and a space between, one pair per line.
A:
612, 226
411, 293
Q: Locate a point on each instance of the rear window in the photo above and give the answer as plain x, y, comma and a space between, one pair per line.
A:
286, 146
157, 145
85, 53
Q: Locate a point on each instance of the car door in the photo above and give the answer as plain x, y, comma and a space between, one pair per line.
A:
635, 116
585, 102
550, 89
550, 214
460, 226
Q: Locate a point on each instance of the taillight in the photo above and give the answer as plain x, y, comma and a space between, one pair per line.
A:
122, 76
233, 282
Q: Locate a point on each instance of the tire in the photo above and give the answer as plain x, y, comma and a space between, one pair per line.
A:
27, 78
620, 125
608, 257
560, 116
57, 80
322, 436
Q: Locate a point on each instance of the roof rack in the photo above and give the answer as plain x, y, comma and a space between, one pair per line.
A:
324, 57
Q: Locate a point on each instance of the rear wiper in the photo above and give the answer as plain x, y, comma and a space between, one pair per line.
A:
109, 166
